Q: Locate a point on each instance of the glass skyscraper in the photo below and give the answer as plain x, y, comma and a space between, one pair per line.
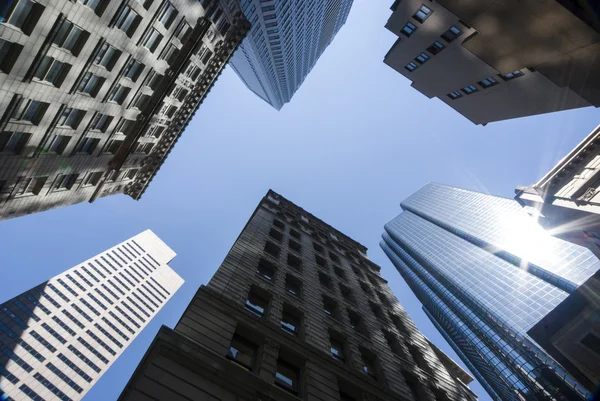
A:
485, 273
285, 41
58, 338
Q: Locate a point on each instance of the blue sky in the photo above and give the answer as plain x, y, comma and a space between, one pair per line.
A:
355, 140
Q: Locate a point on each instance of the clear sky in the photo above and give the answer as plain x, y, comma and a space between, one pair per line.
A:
355, 141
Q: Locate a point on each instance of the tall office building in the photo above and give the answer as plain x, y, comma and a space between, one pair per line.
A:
296, 310
498, 60
486, 273
566, 202
286, 40
58, 338
95, 93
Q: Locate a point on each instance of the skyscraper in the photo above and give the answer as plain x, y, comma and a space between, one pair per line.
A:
486, 273
493, 62
296, 310
58, 338
95, 93
285, 41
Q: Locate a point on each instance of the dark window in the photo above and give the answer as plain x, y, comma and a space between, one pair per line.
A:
107, 56
30, 111
366, 288
294, 262
127, 21
293, 285
290, 321
256, 303
242, 352
96, 5
295, 234
101, 122
346, 293
357, 271
325, 281
134, 69
23, 14
377, 311
90, 84
452, 34
422, 14
384, 300
56, 144
410, 67
119, 93
422, 58
408, 29
592, 342
331, 307
294, 245
336, 348
345, 397
454, 95
266, 269
394, 344
487, 82
357, 322
317, 247
276, 235
334, 258
467, 90
417, 356
368, 364
339, 272
321, 261
70, 117
272, 249
13, 142
287, 376
167, 14
436, 47
9, 53
415, 388
278, 224
512, 75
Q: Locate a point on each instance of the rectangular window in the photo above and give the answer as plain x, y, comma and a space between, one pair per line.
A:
325, 281
330, 307
65, 181
467, 90
266, 269
422, 58
182, 31
31, 111
118, 94
70, 37
92, 179
451, 34
336, 348
128, 21
293, 285
376, 309
408, 29
410, 67
107, 56
13, 142
512, 75
287, 376
454, 95
368, 364
290, 322
272, 249
256, 303
169, 54
48, 384
134, 69
22, 14
90, 84
71, 117
88, 145
101, 122
422, 14
96, 5
32, 186
242, 352
436, 47
592, 342
487, 82
167, 14
152, 40
56, 144
9, 53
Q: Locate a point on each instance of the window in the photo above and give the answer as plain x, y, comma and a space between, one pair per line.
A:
182, 31
9, 53
336, 347
256, 303
65, 181
70, 117
96, 5
591, 341
52, 71
394, 344
417, 356
347, 293
92, 179
29, 111
512, 75
410, 67
90, 84
70, 37
487, 82
101, 122
127, 21
321, 261
266, 269
454, 95
56, 144
278, 224
415, 388
134, 69
408, 29
422, 58
422, 14
272, 249
32, 186
436, 47
293, 285
467, 90
167, 14
242, 352
376, 309
368, 363
357, 322
325, 281
294, 245
330, 307
290, 321
107, 56
295, 234
294, 262
169, 54
339, 272
119, 93
317, 247
287, 376
23, 14
452, 34
276, 235
13, 141
152, 40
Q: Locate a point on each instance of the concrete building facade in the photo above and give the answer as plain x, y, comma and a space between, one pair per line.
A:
295, 311
58, 338
95, 93
285, 42
486, 275
497, 60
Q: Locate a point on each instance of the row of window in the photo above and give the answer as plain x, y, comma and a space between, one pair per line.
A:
484, 84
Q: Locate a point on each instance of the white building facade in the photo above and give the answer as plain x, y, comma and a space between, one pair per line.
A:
58, 338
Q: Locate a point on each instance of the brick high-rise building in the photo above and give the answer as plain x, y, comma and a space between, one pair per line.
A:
95, 93
58, 338
296, 310
497, 60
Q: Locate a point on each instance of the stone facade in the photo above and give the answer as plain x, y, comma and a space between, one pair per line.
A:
94, 93
497, 60
289, 266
